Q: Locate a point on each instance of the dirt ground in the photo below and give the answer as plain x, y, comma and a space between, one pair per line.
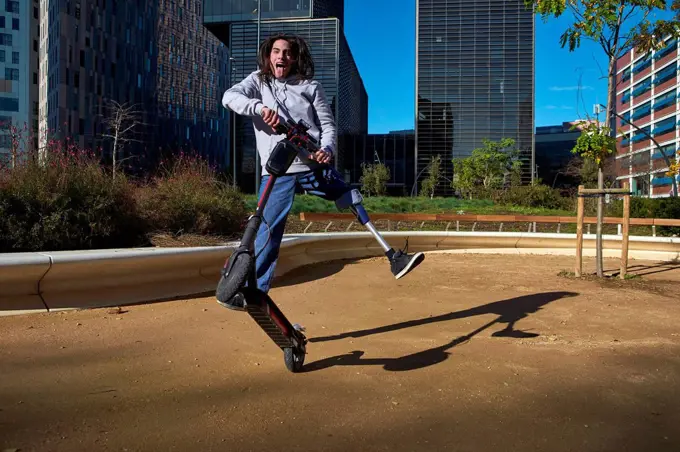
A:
468, 353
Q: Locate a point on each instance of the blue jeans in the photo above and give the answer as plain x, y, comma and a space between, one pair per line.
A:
326, 183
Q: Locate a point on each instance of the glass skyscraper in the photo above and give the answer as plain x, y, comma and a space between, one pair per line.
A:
320, 24
474, 80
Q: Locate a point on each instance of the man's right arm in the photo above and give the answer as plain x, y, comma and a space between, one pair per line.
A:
243, 98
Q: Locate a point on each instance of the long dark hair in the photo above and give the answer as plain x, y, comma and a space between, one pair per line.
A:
303, 64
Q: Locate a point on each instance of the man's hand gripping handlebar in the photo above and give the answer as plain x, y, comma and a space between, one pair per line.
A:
297, 141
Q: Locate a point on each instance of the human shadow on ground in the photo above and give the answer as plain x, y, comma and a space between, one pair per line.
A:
509, 311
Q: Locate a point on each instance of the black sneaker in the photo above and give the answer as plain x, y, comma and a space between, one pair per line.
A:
235, 303
402, 262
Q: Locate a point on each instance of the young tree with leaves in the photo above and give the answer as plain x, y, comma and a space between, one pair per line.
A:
674, 170
596, 144
374, 179
489, 166
430, 183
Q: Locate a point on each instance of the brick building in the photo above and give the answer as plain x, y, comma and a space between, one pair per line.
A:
647, 96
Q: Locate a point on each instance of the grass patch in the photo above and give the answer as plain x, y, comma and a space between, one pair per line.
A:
566, 274
386, 204
613, 278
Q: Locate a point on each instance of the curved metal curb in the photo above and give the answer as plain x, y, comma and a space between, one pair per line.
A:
42, 282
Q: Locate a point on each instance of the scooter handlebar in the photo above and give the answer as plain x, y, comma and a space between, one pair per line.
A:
297, 134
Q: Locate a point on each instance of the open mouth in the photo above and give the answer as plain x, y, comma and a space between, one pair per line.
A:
280, 69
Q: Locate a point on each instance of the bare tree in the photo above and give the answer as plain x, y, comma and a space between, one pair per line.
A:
120, 123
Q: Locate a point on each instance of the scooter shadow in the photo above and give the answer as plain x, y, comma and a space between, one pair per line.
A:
509, 312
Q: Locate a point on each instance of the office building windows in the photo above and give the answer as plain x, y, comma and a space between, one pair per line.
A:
475, 79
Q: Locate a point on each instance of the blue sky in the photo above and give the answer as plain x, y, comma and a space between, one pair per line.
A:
381, 34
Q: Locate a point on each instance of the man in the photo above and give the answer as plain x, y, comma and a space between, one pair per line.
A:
283, 88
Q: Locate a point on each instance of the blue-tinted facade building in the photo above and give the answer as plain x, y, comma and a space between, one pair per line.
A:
155, 55
18, 78
554, 145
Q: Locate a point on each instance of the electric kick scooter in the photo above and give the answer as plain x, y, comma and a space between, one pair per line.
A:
240, 268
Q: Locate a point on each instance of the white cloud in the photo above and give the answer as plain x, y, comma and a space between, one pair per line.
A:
570, 88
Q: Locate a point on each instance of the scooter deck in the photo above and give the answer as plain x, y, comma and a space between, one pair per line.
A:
267, 315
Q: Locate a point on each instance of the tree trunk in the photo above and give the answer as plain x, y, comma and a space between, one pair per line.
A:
600, 215
115, 151
609, 116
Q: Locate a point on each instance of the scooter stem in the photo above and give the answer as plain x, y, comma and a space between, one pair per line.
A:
255, 220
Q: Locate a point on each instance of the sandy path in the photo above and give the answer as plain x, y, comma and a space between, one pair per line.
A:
443, 359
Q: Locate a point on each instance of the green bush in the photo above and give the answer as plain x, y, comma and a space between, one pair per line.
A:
189, 198
639, 207
66, 203
534, 196
69, 201
650, 208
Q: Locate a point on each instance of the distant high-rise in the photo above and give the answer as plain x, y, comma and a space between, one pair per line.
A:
474, 80
153, 55
18, 77
319, 22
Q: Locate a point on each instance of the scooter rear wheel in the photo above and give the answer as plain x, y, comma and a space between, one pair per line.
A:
294, 357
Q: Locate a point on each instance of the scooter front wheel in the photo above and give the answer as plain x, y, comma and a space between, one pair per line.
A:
232, 283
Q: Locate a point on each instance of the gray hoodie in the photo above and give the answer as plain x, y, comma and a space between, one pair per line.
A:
289, 98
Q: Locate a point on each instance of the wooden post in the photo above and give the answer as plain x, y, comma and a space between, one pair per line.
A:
579, 233
625, 232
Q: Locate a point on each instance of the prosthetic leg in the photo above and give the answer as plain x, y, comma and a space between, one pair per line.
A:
401, 262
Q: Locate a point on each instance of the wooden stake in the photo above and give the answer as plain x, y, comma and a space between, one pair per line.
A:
579, 233
625, 232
